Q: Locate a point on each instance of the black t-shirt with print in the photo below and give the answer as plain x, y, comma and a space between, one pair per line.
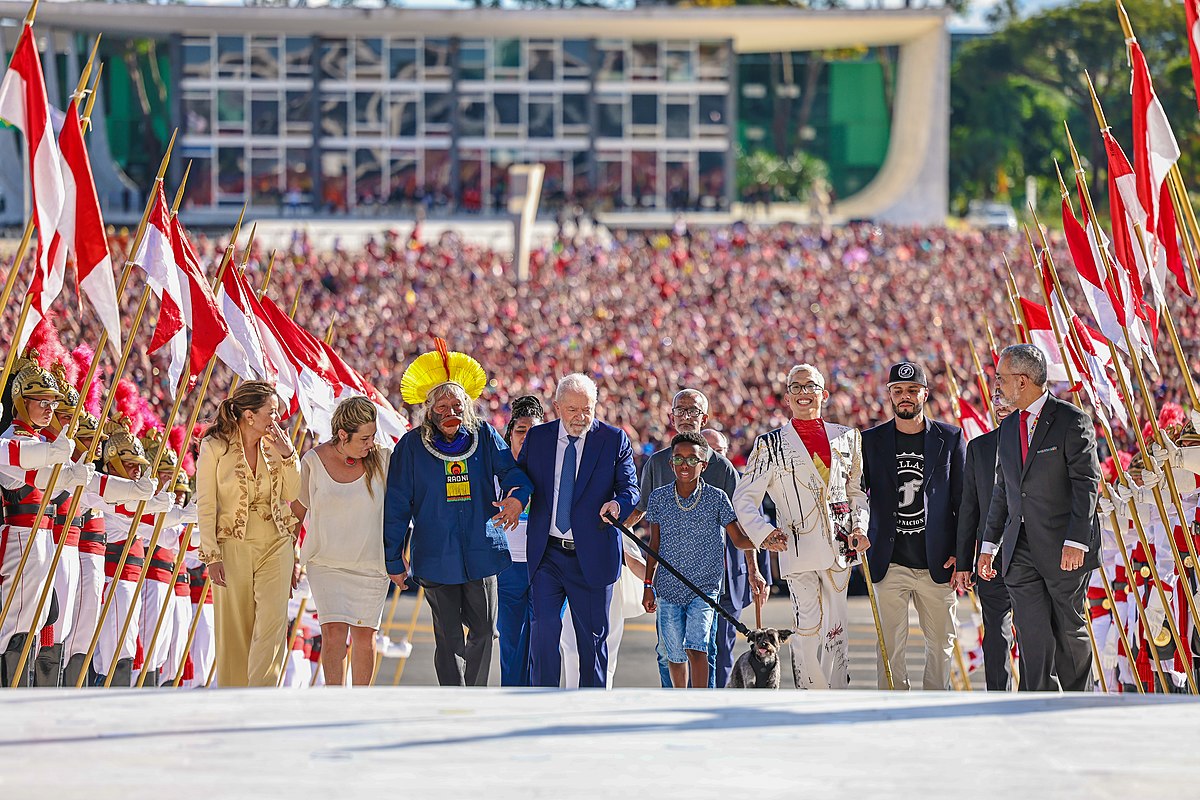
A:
909, 549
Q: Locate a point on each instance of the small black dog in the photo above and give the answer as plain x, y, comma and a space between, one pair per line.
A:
758, 668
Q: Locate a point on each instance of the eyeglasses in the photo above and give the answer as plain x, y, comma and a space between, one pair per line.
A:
48, 404
691, 461
804, 388
1002, 378
686, 413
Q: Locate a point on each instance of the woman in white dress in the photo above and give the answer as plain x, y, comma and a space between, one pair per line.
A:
342, 488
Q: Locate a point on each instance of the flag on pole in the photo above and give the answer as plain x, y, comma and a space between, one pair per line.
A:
82, 228
156, 257
202, 315
1042, 334
1155, 150
973, 423
287, 380
233, 299
1102, 390
25, 105
1192, 11
1168, 239
316, 383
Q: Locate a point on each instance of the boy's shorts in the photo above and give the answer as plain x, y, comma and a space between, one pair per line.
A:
683, 628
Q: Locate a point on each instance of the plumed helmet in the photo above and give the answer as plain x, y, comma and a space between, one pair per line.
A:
89, 426
31, 381
182, 484
154, 441
123, 447
70, 399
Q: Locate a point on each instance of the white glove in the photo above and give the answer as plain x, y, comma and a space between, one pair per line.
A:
1150, 479
189, 514
73, 475
1106, 507
1108, 655
60, 450
1123, 494
1156, 615
1195, 416
144, 489
160, 503
1160, 455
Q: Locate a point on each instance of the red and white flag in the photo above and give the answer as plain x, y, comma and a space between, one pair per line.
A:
1155, 150
82, 228
973, 423
234, 300
210, 331
287, 380
1042, 334
156, 256
25, 105
1192, 11
1102, 391
316, 383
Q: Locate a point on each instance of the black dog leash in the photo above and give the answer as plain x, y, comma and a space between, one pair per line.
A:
734, 621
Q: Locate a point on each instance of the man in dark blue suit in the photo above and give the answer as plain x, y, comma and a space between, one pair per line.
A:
582, 473
979, 480
912, 470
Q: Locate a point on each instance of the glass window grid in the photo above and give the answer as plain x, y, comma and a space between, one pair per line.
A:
409, 156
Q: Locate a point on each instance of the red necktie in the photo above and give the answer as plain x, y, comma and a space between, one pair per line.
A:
1024, 436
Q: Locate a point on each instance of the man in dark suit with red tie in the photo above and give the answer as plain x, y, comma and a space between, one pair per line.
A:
1043, 521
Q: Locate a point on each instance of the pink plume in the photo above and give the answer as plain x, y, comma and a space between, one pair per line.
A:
1171, 415
1108, 469
150, 420
127, 403
176, 436
82, 356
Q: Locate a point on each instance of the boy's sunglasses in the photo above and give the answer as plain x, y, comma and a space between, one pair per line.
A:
691, 461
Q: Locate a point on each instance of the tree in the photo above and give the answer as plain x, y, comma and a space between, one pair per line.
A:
1011, 92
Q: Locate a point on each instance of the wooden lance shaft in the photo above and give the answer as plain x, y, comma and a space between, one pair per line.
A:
191, 637
887, 664
168, 600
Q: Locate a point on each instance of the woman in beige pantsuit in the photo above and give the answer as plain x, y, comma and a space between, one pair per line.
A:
246, 477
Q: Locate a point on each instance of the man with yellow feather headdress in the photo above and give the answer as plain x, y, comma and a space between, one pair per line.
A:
442, 481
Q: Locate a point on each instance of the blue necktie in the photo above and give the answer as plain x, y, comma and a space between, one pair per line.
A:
566, 487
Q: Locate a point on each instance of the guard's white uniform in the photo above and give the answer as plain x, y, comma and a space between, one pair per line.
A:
203, 653
811, 512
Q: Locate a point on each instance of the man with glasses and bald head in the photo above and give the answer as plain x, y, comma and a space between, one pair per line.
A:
743, 578
812, 469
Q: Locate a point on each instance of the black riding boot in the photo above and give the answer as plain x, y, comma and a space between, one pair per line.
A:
9, 663
48, 668
75, 666
123, 674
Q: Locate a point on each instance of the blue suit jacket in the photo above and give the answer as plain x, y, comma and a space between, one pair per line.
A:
945, 457
606, 473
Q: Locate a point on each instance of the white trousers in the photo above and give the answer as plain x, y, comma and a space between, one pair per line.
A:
107, 651
87, 604
180, 612
22, 593
820, 642
66, 588
569, 648
153, 594
204, 650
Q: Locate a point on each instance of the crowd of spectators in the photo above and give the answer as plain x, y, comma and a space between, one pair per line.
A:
726, 310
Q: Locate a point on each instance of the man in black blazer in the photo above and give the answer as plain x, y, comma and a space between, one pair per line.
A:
1043, 522
979, 479
912, 470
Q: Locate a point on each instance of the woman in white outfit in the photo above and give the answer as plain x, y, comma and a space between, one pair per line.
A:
342, 488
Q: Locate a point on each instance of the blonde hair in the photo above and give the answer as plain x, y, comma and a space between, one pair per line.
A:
350, 415
248, 396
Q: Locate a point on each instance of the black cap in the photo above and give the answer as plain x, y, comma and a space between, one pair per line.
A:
907, 372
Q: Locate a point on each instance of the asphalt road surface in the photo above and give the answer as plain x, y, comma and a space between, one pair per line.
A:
637, 665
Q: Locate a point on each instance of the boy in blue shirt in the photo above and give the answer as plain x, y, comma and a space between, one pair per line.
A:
688, 520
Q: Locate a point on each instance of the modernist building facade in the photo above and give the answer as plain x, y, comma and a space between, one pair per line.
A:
377, 111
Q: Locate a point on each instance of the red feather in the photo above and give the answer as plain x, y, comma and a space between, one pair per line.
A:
444, 352
1109, 471
127, 404
82, 356
44, 339
1171, 415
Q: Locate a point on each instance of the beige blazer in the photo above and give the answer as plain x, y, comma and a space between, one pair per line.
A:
223, 492
807, 508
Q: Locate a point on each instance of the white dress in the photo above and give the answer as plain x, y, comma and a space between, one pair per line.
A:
343, 544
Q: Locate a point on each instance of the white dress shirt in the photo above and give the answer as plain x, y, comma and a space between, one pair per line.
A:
559, 454
1035, 413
